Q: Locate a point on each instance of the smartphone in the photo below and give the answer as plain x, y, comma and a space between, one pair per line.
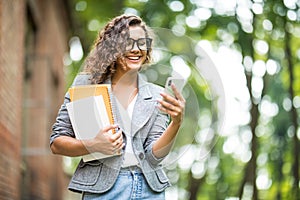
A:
178, 82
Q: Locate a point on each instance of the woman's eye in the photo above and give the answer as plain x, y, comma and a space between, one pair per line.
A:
142, 42
129, 42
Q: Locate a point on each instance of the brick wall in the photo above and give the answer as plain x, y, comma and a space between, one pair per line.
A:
11, 97
33, 39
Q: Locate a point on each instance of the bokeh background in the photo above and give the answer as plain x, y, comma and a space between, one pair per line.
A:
240, 138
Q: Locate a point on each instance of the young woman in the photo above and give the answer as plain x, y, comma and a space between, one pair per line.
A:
142, 112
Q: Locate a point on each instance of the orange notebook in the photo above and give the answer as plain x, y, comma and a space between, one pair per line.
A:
83, 91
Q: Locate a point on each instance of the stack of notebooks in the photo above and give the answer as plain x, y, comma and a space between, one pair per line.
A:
90, 110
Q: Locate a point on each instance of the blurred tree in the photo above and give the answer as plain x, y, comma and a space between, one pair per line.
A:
294, 115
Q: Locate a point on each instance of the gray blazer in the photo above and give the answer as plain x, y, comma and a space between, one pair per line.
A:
147, 126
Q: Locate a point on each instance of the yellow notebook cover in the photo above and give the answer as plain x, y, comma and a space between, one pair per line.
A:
83, 91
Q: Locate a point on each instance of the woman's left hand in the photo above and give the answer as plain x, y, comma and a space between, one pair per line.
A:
174, 106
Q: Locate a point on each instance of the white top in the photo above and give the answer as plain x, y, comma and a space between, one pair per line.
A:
126, 116
131, 106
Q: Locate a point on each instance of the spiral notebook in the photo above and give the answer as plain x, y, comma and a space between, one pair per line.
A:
90, 110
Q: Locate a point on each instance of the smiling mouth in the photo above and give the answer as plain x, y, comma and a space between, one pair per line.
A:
134, 58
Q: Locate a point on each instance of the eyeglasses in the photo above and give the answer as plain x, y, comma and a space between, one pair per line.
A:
143, 44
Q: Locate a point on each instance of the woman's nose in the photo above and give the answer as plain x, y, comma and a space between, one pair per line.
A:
135, 47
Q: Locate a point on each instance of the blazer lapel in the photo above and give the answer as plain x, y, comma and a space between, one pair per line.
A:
116, 112
143, 108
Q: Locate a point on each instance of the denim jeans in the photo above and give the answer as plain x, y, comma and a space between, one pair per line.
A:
130, 185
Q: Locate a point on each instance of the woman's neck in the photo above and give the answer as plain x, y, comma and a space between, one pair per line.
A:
128, 79
125, 87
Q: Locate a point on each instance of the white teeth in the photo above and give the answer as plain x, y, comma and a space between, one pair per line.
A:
133, 57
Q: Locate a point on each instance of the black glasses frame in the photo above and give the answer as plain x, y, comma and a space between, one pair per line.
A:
148, 44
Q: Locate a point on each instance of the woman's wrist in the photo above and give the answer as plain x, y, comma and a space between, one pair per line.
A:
176, 124
88, 145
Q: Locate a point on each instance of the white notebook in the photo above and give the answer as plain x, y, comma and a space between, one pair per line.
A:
88, 116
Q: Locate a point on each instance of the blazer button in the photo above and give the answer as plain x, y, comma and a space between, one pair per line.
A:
141, 156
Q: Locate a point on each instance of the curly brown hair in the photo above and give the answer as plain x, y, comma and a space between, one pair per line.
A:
110, 45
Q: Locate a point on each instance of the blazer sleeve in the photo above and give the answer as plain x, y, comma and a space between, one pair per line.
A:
160, 122
62, 125
159, 126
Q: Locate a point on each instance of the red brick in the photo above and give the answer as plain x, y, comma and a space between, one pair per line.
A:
27, 168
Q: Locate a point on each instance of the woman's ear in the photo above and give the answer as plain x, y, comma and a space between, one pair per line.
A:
147, 60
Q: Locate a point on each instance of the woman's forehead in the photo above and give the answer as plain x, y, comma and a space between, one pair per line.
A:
136, 32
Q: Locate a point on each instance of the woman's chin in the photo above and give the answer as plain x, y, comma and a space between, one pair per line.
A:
134, 66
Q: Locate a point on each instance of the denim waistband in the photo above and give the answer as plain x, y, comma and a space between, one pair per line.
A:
131, 169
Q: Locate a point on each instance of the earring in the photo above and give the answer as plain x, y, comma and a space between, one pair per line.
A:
147, 60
